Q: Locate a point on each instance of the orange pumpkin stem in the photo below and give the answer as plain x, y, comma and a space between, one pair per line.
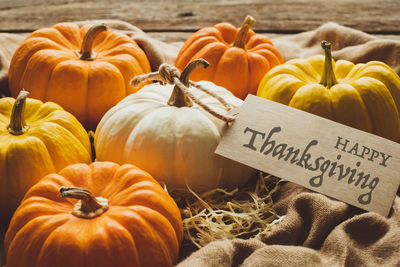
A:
86, 52
17, 124
241, 36
328, 78
88, 206
178, 97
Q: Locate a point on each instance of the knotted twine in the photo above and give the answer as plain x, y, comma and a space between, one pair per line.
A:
169, 74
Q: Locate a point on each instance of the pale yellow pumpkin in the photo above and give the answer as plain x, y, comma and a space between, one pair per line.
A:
174, 144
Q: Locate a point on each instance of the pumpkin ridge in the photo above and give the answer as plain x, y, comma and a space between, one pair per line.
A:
111, 41
12, 237
163, 235
135, 233
63, 132
43, 247
31, 138
52, 34
270, 48
120, 177
47, 90
163, 213
101, 73
305, 69
37, 202
355, 73
21, 65
383, 76
233, 54
73, 29
120, 255
48, 65
135, 55
257, 39
208, 31
364, 121
117, 67
204, 53
32, 113
379, 98
68, 43
188, 54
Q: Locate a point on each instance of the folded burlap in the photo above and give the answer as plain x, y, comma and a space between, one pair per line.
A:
317, 230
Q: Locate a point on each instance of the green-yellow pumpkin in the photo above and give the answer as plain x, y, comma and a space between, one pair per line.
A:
363, 96
36, 139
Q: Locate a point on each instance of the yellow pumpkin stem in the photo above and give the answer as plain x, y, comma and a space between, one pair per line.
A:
328, 78
88, 206
17, 124
178, 97
241, 36
86, 52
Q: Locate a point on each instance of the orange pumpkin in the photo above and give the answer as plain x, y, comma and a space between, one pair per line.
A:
123, 218
85, 70
238, 58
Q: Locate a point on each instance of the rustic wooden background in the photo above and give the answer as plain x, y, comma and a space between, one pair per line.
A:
174, 21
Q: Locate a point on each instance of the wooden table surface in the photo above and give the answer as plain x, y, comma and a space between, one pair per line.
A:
174, 21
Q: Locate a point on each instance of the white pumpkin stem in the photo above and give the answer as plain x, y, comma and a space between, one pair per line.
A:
241, 36
170, 74
88, 206
178, 97
328, 78
86, 52
17, 124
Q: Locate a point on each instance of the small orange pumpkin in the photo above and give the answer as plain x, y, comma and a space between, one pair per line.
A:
85, 70
238, 58
123, 218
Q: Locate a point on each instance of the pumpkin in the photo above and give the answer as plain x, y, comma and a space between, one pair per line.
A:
162, 131
238, 58
85, 70
123, 217
36, 139
363, 96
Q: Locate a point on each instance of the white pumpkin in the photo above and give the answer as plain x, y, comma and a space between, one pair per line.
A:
174, 144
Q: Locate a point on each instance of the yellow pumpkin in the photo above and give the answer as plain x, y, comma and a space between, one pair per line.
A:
161, 131
36, 139
363, 96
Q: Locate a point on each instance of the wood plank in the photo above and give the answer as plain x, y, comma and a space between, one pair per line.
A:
179, 37
272, 16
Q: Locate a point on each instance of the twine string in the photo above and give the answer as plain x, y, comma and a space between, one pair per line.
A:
168, 74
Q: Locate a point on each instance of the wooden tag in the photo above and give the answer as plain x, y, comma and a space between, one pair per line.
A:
354, 166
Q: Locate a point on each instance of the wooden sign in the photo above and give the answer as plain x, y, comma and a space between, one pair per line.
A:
356, 167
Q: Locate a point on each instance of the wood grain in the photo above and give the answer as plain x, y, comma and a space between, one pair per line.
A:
282, 16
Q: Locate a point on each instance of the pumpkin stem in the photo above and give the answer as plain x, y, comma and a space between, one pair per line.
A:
17, 124
169, 74
178, 97
86, 52
328, 78
241, 36
88, 206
